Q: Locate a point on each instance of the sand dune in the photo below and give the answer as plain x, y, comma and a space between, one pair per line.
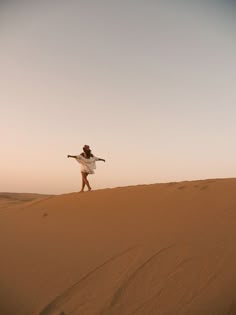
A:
8, 199
163, 249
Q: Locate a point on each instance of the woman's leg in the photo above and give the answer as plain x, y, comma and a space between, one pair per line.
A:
85, 181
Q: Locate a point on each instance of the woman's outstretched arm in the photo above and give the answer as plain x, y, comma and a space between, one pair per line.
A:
101, 160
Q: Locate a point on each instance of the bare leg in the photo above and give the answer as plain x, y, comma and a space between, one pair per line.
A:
85, 181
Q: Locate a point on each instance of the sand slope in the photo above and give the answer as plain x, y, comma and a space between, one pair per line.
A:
143, 250
10, 199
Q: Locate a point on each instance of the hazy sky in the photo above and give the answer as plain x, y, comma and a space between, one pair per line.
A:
148, 84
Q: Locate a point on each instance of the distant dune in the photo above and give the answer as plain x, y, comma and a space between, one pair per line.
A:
165, 249
9, 199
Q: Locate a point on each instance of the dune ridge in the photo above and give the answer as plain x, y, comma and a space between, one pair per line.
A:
10, 199
163, 249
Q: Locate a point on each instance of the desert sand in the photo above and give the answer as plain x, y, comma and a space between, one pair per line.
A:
163, 249
8, 199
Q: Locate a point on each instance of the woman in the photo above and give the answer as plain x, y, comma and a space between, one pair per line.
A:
87, 163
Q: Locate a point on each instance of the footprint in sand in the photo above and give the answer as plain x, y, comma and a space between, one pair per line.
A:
182, 187
204, 187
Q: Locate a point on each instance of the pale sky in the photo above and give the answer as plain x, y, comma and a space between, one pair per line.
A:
148, 84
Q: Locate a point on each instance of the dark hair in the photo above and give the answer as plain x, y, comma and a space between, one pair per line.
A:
87, 154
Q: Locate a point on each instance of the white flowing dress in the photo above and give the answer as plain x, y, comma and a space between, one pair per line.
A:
87, 165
